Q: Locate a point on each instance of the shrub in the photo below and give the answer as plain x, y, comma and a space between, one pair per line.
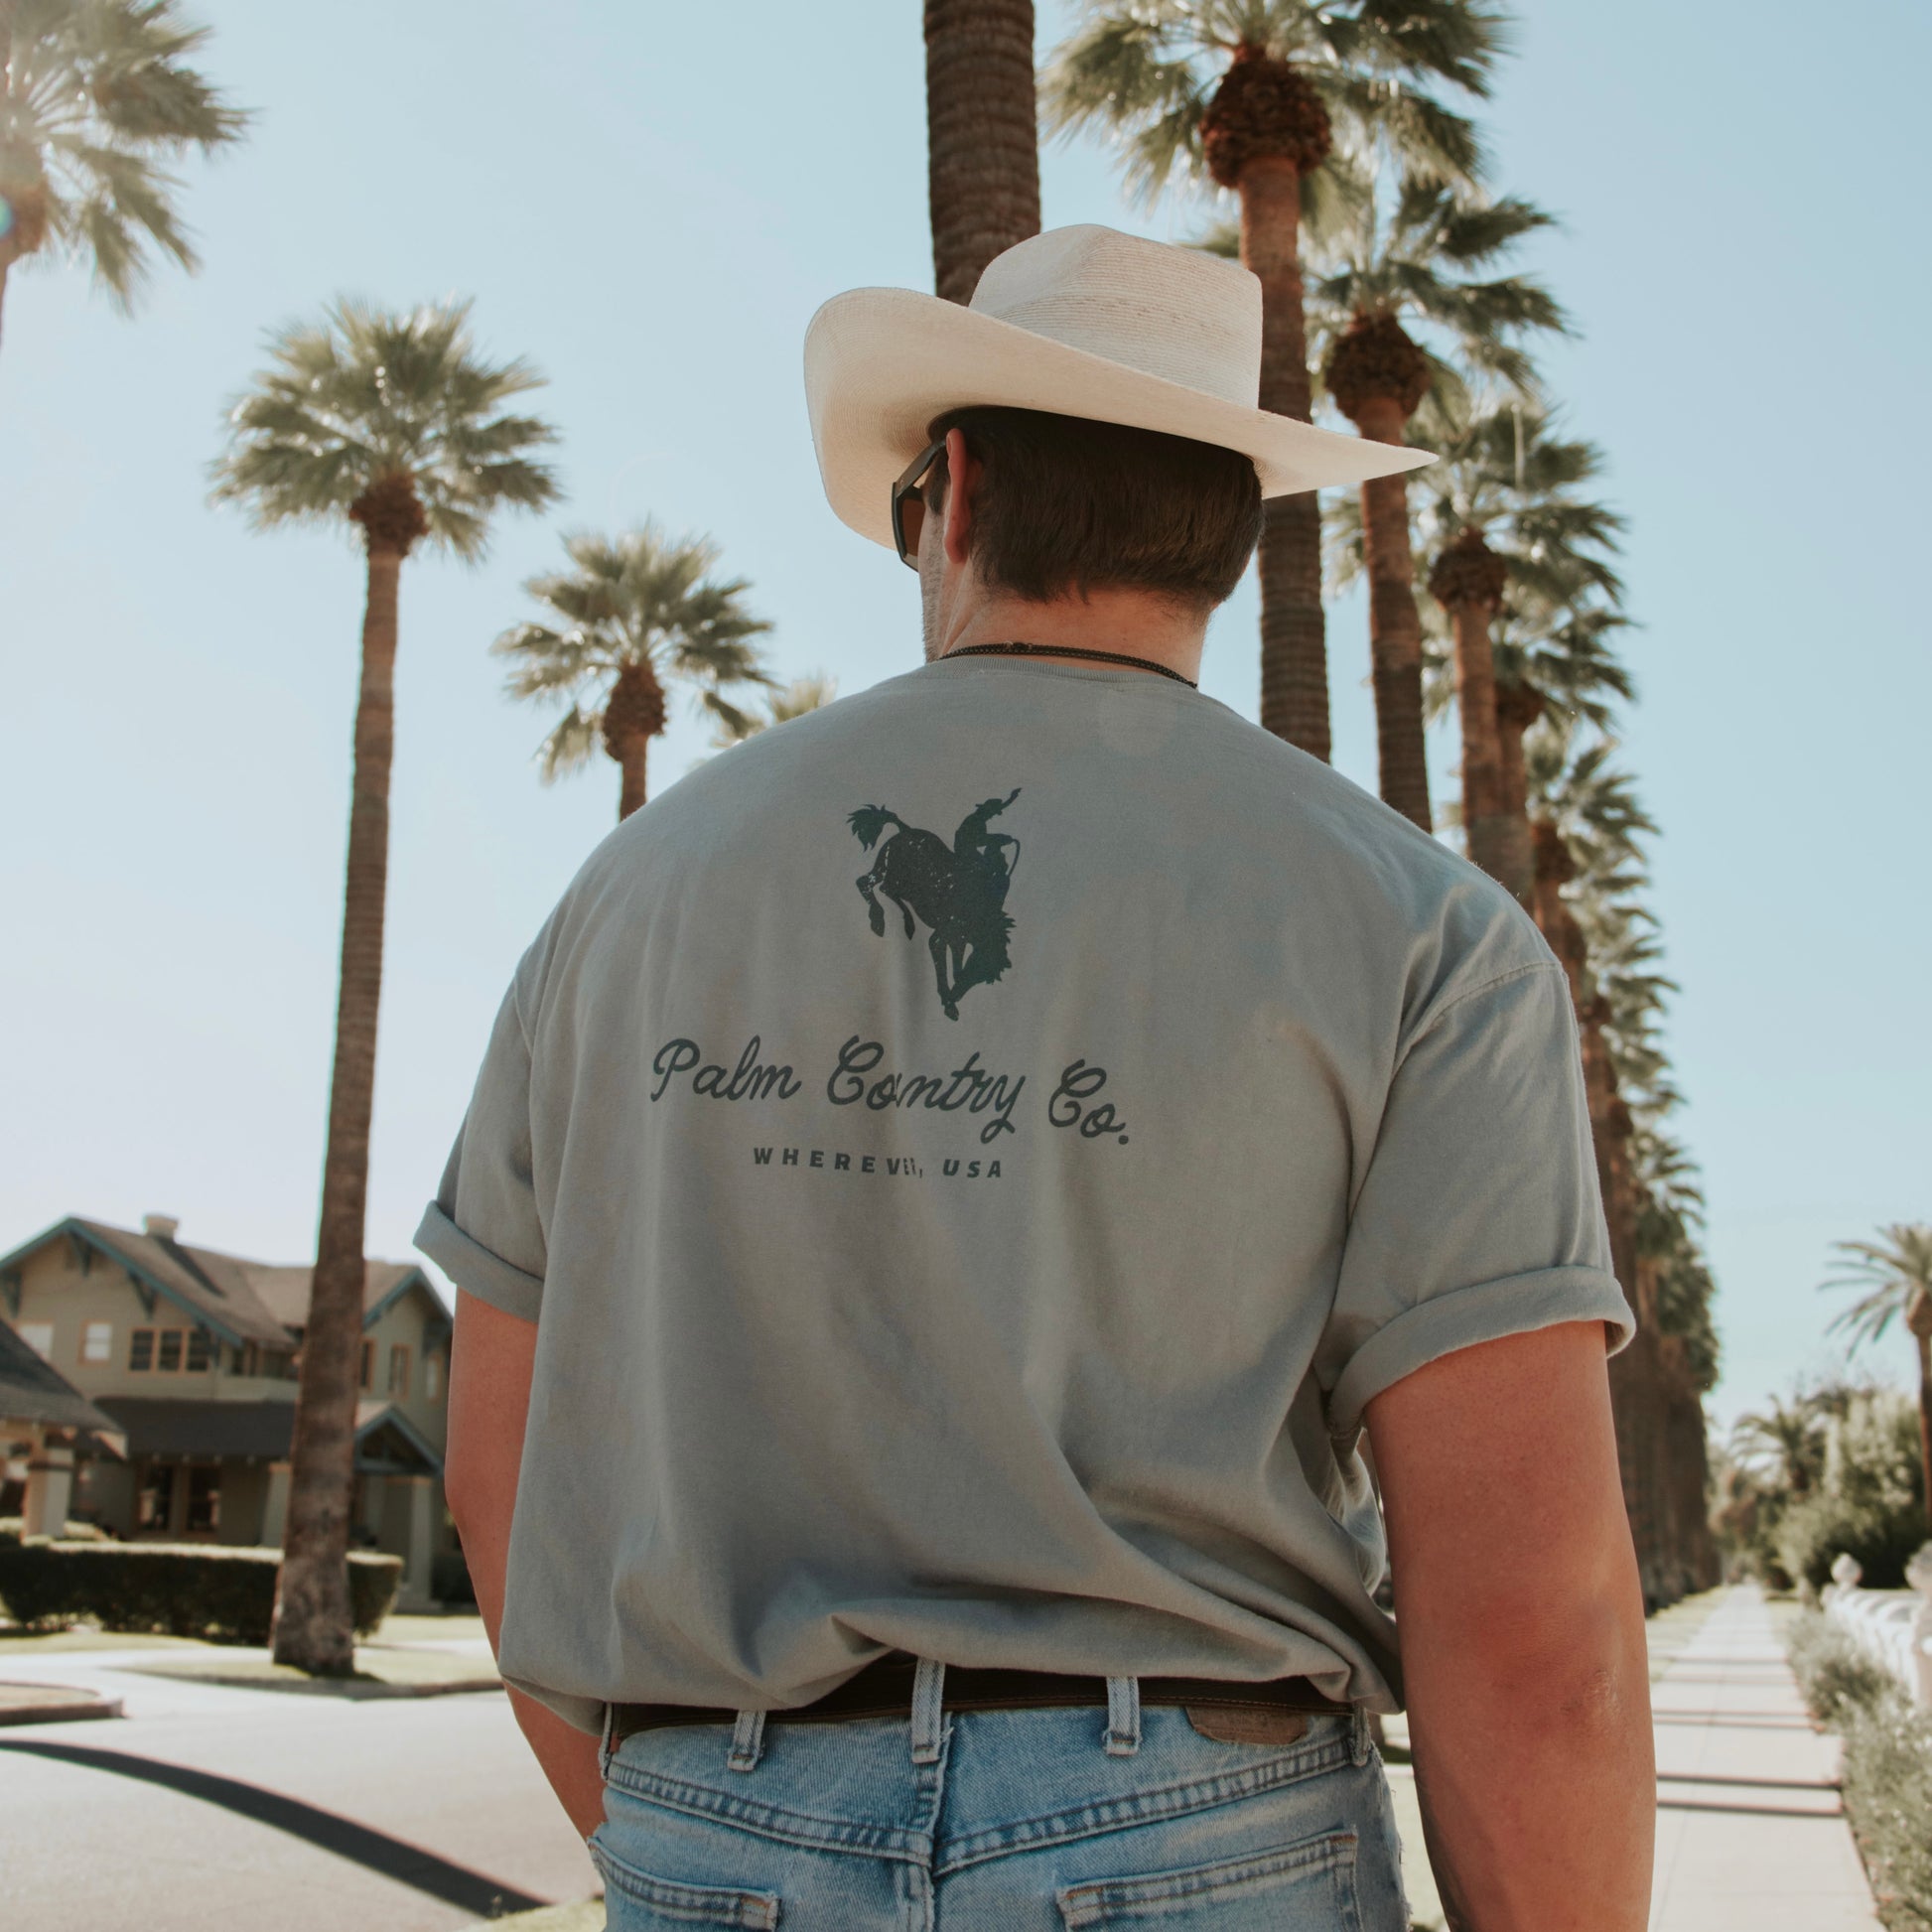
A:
1835, 1672
1887, 1772
449, 1578
1868, 1504
183, 1589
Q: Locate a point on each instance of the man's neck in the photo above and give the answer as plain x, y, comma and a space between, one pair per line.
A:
1109, 623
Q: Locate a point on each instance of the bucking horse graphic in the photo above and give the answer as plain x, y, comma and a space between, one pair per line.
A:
957, 889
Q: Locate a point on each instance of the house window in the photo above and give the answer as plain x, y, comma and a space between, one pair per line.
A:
398, 1368
166, 1354
140, 1348
154, 1505
204, 1500
433, 1377
199, 1347
278, 1364
366, 1380
38, 1336
98, 1342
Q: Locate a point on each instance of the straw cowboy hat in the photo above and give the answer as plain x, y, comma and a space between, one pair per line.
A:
1084, 321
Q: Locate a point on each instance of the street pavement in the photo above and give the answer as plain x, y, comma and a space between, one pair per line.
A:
215, 1809
1750, 1834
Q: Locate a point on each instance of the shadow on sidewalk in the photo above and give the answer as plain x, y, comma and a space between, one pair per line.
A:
392, 1857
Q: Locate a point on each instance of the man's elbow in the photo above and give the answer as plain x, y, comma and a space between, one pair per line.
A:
1580, 1660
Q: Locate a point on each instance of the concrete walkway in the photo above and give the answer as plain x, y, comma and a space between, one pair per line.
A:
1750, 1834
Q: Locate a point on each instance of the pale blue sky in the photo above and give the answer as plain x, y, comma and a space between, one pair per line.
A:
649, 206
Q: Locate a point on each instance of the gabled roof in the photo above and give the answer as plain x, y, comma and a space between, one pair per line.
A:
285, 1291
34, 1391
240, 1300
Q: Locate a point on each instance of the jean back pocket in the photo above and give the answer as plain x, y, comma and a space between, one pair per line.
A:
1310, 1885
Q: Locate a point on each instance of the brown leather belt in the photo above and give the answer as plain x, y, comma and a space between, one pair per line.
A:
883, 1689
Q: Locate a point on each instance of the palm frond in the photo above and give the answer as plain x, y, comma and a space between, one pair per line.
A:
638, 598
98, 97
368, 392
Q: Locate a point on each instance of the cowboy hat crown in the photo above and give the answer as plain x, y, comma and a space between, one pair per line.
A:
1080, 321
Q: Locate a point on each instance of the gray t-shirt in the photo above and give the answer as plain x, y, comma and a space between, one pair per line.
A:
970, 1154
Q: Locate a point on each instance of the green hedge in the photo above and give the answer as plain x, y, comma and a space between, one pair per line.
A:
183, 1589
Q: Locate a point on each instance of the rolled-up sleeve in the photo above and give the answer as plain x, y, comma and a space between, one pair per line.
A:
1479, 1215
483, 1229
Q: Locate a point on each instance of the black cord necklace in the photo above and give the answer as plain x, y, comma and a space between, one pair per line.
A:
1018, 650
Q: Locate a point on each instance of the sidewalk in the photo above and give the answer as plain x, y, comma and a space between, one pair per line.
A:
1751, 1833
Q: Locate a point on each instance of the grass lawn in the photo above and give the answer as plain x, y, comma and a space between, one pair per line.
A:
16, 1642
380, 1672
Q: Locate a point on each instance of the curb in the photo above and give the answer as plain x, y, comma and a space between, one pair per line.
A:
70, 1706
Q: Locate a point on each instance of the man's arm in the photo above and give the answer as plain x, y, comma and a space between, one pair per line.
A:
1521, 1624
491, 1357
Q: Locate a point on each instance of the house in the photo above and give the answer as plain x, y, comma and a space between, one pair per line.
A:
42, 1415
190, 1356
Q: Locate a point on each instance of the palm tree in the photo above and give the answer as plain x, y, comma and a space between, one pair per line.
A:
1416, 262
1503, 475
390, 422
93, 95
1249, 94
1588, 827
629, 613
1790, 1436
812, 692
982, 136
1895, 1274
1555, 665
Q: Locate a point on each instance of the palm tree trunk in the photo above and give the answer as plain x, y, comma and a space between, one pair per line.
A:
630, 762
1925, 1422
313, 1627
1394, 624
1293, 643
1517, 707
1635, 1373
1475, 705
982, 136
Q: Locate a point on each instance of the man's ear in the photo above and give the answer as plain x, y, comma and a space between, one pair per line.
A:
962, 484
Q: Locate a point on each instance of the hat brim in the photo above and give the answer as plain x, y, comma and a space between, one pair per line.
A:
882, 364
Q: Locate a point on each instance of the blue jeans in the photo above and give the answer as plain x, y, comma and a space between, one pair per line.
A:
1040, 1820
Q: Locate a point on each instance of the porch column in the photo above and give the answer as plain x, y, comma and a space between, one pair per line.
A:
275, 1511
413, 1593
49, 1486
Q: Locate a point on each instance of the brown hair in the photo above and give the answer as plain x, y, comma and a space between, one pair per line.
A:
1069, 505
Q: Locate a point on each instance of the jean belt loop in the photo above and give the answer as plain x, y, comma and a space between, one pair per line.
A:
1360, 1737
747, 1740
1123, 1736
604, 1752
929, 1704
